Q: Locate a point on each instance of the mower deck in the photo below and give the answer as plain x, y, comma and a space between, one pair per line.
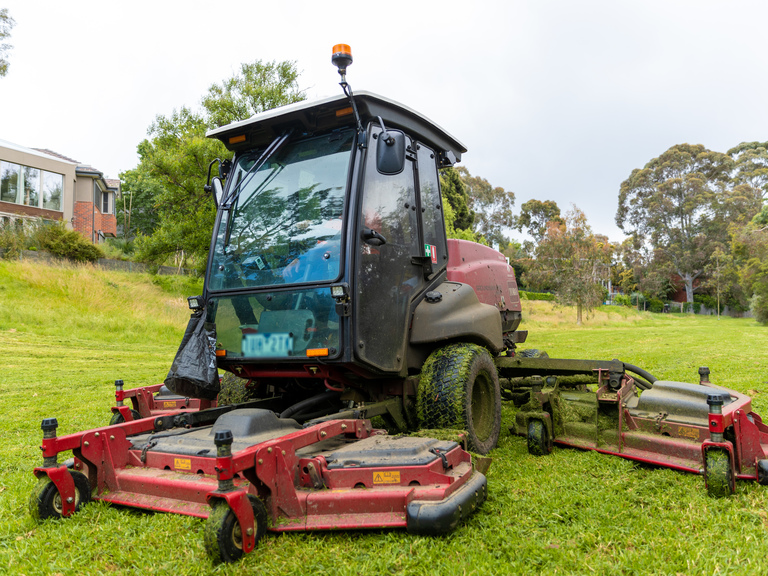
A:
673, 424
339, 474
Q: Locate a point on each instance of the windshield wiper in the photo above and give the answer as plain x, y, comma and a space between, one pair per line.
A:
231, 200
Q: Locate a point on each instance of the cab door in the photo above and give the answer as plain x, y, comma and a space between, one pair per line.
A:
389, 272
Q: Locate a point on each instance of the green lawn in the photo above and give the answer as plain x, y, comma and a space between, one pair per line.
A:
67, 333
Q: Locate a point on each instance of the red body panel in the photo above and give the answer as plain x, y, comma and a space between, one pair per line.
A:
487, 271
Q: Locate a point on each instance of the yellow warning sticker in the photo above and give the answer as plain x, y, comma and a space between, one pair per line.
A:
386, 477
169, 404
687, 432
182, 464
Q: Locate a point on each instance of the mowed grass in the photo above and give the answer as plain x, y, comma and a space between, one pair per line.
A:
67, 333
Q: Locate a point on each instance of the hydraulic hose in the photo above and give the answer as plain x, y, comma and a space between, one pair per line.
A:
309, 403
647, 379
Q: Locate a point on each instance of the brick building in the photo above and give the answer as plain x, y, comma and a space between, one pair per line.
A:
39, 183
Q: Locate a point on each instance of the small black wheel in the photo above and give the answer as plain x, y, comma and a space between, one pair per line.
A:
459, 389
117, 418
223, 537
538, 438
719, 476
45, 501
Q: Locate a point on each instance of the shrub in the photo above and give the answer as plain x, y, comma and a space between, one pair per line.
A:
622, 300
692, 306
12, 241
63, 243
537, 296
655, 305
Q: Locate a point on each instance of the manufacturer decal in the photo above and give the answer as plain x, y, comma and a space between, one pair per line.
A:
386, 477
169, 404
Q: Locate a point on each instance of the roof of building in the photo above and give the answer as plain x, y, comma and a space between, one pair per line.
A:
36, 152
56, 155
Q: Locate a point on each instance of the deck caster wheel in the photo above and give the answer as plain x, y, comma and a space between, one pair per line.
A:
223, 537
539, 443
45, 501
719, 476
118, 418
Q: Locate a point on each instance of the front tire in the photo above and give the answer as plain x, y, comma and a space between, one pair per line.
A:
45, 501
719, 476
459, 388
223, 537
539, 443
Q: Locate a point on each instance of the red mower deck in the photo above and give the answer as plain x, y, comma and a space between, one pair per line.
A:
340, 474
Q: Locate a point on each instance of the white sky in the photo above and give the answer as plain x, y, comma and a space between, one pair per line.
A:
555, 99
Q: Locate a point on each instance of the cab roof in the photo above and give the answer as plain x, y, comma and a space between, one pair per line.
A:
335, 112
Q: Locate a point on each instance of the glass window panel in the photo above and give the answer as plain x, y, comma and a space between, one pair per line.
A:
31, 186
53, 184
9, 181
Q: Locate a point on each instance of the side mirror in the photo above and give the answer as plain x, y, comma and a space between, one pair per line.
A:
390, 152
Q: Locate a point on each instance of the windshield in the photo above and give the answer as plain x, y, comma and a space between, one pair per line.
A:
286, 224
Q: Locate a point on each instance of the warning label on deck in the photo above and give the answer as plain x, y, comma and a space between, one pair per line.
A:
386, 477
182, 464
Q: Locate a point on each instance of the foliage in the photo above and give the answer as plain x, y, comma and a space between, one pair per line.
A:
455, 195
12, 240
535, 217
572, 261
751, 166
622, 300
6, 24
672, 203
174, 216
655, 305
546, 296
59, 241
258, 87
492, 207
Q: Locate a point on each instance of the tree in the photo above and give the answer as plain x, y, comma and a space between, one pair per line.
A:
455, 195
721, 275
751, 166
6, 25
258, 87
671, 204
492, 207
173, 163
535, 216
572, 260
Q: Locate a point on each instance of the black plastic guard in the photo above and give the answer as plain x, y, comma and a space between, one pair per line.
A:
435, 518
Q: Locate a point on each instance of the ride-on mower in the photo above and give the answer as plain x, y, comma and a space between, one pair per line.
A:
332, 289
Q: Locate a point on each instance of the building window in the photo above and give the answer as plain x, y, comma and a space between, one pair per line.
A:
105, 203
9, 181
53, 185
23, 185
31, 186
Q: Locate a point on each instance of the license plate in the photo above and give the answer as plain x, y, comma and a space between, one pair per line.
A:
262, 345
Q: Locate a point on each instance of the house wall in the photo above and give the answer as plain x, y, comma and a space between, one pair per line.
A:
49, 164
89, 220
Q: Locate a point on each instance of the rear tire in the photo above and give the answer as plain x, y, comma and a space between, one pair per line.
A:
459, 389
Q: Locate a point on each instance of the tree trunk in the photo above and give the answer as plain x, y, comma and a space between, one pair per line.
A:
578, 314
688, 279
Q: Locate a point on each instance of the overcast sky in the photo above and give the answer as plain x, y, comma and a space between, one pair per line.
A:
555, 99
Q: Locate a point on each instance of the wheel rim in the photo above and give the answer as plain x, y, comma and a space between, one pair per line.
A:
58, 505
237, 535
483, 406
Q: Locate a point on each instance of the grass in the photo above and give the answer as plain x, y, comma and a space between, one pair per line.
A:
68, 333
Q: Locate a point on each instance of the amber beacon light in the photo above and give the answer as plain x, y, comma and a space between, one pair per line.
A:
342, 57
